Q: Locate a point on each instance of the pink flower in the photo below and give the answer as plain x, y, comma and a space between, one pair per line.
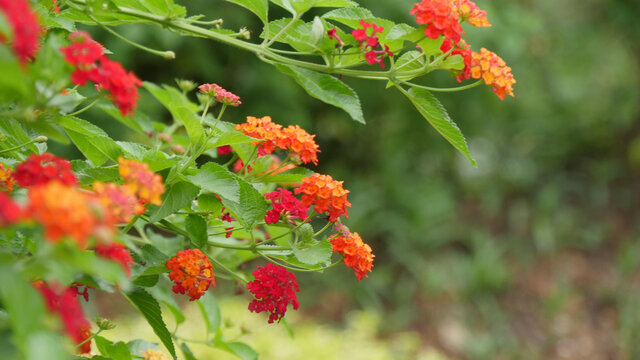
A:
220, 94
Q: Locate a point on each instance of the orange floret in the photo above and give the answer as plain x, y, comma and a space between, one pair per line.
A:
146, 184
154, 355
192, 272
325, 194
120, 201
262, 128
489, 67
356, 253
7, 181
471, 13
63, 211
300, 143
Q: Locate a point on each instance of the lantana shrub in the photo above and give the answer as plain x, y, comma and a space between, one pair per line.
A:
233, 200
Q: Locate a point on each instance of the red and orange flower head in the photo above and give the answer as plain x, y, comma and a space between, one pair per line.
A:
10, 212
146, 184
265, 130
441, 18
299, 143
67, 306
120, 201
7, 181
41, 169
63, 211
489, 67
357, 255
283, 203
25, 28
274, 290
325, 194
118, 253
471, 13
192, 272
220, 94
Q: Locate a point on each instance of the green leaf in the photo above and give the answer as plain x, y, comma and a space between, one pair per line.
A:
148, 306
210, 204
241, 350
165, 297
210, 312
91, 140
455, 62
291, 176
410, 60
318, 253
196, 227
139, 122
188, 355
217, 179
251, 206
116, 351
180, 108
301, 6
46, 345
177, 196
146, 280
137, 346
14, 85
438, 117
14, 134
229, 136
326, 88
258, 7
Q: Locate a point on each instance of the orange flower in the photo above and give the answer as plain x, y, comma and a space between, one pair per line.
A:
192, 272
356, 253
300, 143
154, 355
120, 201
325, 194
471, 13
63, 211
292, 138
6, 179
494, 71
263, 129
142, 181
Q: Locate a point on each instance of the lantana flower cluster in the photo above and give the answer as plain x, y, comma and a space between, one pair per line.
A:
325, 194
274, 289
26, 29
87, 56
284, 205
443, 18
300, 144
192, 273
357, 255
65, 304
368, 40
220, 94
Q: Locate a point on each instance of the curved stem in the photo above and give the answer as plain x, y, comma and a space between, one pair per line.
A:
165, 54
282, 31
459, 88
86, 107
226, 269
39, 139
323, 229
290, 231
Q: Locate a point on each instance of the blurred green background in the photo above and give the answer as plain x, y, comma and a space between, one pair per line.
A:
535, 253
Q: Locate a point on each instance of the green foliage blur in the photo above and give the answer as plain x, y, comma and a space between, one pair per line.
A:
535, 253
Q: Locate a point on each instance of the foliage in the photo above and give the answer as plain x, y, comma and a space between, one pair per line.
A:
129, 212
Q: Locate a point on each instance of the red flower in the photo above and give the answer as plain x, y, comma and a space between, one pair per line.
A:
365, 39
274, 290
374, 56
87, 57
118, 253
325, 194
333, 34
25, 27
41, 169
68, 308
356, 253
221, 95
441, 18
10, 212
146, 184
284, 204
224, 150
7, 181
119, 200
462, 49
192, 272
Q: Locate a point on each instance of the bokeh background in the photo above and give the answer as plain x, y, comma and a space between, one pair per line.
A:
534, 254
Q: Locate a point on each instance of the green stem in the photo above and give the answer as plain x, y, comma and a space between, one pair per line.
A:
459, 88
290, 231
323, 229
39, 139
89, 338
226, 269
249, 160
284, 264
204, 113
215, 125
169, 55
283, 30
85, 108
